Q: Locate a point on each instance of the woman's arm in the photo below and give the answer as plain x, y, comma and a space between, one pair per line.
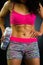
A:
35, 33
2, 25
41, 10
41, 28
3, 12
5, 9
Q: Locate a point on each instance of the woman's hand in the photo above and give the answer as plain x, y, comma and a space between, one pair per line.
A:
35, 33
2, 38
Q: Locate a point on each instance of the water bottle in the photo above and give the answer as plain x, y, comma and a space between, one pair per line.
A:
5, 42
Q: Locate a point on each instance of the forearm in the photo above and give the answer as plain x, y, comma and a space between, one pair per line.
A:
41, 28
37, 33
40, 32
2, 27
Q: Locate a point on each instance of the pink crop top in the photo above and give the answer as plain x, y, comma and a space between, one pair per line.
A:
17, 18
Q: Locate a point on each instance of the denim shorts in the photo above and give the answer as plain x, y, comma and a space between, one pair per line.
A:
17, 50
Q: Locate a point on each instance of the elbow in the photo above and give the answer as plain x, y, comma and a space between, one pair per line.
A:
1, 20
1, 15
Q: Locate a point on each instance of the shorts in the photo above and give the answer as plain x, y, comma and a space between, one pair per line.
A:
17, 50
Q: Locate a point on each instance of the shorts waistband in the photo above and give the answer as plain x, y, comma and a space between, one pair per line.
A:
16, 39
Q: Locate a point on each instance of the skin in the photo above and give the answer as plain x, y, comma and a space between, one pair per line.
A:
41, 10
21, 30
2, 25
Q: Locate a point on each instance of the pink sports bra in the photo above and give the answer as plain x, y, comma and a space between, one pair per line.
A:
17, 18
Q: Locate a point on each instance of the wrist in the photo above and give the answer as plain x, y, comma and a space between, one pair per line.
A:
40, 33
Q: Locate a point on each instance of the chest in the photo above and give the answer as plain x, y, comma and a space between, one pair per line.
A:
18, 18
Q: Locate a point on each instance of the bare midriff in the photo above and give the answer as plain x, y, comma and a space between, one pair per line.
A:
22, 31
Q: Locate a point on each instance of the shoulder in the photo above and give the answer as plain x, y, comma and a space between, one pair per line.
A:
8, 5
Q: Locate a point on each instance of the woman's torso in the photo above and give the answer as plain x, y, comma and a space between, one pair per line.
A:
23, 22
